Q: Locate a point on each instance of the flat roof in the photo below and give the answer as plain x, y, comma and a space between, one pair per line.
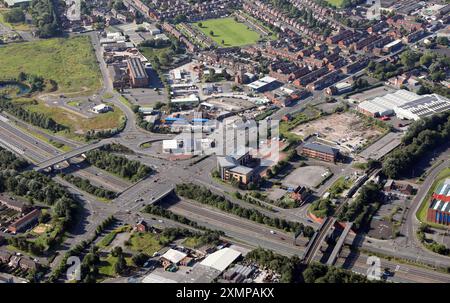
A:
221, 259
137, 68
174, 256
243, 170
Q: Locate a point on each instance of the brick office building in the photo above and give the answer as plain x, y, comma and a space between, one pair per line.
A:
319, 151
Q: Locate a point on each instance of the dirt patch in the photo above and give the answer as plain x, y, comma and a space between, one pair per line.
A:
345, 128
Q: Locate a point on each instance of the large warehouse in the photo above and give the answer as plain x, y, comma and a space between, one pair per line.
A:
384, 106
405, 104
420, 108
439, 210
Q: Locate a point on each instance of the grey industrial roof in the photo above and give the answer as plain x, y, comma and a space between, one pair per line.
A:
227, 161
137, 68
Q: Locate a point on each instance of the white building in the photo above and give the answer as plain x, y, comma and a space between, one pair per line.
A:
101, 108
423, 107
384, 106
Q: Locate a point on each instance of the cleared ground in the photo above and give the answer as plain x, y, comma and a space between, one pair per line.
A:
70, 62
309, 176
231, 32
345, 128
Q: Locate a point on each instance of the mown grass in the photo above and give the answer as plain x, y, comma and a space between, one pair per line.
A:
233, 33
70, 62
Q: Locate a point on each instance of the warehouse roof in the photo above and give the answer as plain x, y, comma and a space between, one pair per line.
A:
221, 259
423, 107
174, 256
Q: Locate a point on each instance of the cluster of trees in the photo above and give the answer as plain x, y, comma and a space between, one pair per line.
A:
156, 43
303, 15
108, 133
288, 268
29, 246
37, 119
384, 70
37, 187
104, 225
320, 273
322, 208
430, 243
277, 168
128, 169
421, 137
45, 18
15, 15
86, 185
363, 207
9, 161
205, 196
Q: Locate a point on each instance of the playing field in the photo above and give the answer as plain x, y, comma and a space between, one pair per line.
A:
337, 3
231, 32
70, 62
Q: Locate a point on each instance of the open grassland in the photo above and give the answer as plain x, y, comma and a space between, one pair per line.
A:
77, 124
147, 243
70, 62
423, 209
337, 3
231, 32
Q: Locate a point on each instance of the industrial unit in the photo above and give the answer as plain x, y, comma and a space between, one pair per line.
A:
439, 210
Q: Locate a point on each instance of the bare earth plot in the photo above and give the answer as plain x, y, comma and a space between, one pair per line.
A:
345, 128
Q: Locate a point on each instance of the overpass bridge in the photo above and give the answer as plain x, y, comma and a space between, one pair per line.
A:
337, 248
49, 163
317, 239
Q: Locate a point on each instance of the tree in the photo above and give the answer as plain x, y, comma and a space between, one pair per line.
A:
120, 265
409, 58
211, 33
200, 24
15, 15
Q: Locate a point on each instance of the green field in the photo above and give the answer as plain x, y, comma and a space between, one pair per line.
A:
70, 62
146, 243
231, 32
337, 3
77, 124
422, 212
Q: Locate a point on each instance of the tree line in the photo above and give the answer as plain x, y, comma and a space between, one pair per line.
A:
360, 211
45, 18
421, 137
9, 161
86, 186
37, 119
119, 165
205, 196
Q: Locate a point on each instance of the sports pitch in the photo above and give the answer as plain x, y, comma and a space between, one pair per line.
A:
231, 32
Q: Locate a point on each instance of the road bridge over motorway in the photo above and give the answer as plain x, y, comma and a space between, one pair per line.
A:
71, 154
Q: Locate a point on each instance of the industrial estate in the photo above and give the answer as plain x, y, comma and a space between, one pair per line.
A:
224, 141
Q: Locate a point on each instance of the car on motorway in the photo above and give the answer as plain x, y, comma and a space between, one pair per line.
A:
160, 221
272, 232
